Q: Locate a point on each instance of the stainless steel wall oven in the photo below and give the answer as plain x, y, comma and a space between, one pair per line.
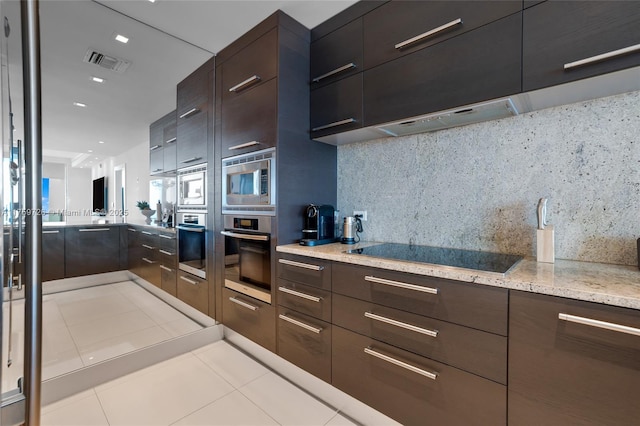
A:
192, 253
247, 255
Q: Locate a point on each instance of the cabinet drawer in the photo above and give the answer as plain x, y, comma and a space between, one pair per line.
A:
305, 299
250, 317
479, 65
167, 241
305, 270
168, 277
568, 372
478, 352
390, 29
337, 55
251, 67
337, 107
557, 34
471, 305
395, 382
250, 119
52, 253
193, 291
168, 257
305, 341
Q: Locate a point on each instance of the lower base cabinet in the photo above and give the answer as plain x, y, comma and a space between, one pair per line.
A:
52, 254
565, 369
91, 250
410, 388
194, 291
250, 317
168, 280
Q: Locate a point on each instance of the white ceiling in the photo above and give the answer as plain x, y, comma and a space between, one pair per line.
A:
168, 40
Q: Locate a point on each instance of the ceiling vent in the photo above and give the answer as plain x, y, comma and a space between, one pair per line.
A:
105, 61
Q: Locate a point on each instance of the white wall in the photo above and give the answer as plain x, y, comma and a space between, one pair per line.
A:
79, 193
477, 186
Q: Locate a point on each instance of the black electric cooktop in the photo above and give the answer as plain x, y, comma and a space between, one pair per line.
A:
468, 259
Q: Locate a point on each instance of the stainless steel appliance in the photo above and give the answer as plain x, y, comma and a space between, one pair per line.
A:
249, 183
351, 227
192, 253
319, 225
192, 187
247, 255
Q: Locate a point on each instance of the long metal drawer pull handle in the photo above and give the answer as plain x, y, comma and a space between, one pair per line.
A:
334, 72
190, 281
334, 124
402, 364
301, 265
168, 253
165, 268
411, 327
190, 160
299, 294
188, 113
300, 324
243, 84
168, 237
148, 247
602, 57
147, 260
600, 324
170, 141
401, 284
245, 236
429, 33
50, 232
244, 145
93, 229
147, 233
186, 228
131, 229
153, 148
243, 304
156, 170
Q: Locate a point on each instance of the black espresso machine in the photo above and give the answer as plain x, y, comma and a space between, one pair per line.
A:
319, 225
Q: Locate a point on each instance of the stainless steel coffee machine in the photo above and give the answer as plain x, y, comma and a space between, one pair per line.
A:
319, 225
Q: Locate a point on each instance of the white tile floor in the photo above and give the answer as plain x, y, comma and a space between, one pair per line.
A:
214, 385
85, 326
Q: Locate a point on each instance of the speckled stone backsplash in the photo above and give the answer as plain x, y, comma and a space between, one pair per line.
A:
477, 187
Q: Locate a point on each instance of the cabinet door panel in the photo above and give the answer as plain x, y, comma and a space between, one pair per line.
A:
305, 341
168, 279
91, 250
562, 372
192, 139
337, 55
156, 161
476, 66
258, 60
52, 254
337, 107
257, 324
248, 118
305, 270
454, 397
562, 32
170, 152
193, 291
476, 351
398, 21
305, 299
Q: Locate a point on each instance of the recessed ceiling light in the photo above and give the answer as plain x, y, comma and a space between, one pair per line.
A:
100, 141
121, 38
80, 104
90, 150
97, 79
96, 158
152, 1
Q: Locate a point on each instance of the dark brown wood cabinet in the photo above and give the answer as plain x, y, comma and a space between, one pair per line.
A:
153, 256
572, 362
52, 254
478, 65
170, 149
91, 250
134, 249
400, 28
410, 388
162, 140
192, 130
194, 291
168, 261
562, 40
250, 317
337, 55
337, 107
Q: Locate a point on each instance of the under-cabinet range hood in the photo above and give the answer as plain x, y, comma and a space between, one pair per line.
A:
577, 91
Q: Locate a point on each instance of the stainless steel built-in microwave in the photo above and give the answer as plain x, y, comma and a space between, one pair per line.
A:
192, 188
249, 184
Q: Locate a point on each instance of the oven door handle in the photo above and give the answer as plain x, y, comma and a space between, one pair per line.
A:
185, 228
245, 236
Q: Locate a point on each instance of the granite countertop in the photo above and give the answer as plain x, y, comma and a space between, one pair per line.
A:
614, 285
109, 223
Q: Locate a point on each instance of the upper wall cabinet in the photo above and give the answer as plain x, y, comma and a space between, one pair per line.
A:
162, 140
572, 40
337, 55
194, 95
481, 64
399, 28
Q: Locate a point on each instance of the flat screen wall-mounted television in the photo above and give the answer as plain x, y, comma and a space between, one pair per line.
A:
100, 195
